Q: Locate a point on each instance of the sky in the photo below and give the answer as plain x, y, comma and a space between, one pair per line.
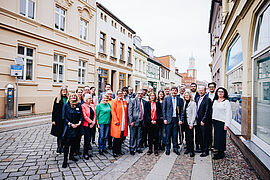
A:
173, 27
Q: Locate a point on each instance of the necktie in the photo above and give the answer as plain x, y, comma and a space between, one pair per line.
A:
141, 109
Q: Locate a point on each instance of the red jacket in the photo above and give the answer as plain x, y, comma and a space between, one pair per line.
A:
86, 115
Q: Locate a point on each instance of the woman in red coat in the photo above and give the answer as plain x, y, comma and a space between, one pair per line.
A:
119, 124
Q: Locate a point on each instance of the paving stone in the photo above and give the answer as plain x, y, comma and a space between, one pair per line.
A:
45, 175
3, 175
16, 174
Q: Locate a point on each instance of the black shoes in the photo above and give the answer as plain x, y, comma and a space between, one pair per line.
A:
115, 155
167, 152
204, 154
100, 152
86, 156
192, 154
149, 152
218, 156
132, 153
73, 158
64, 165
139, 151
186, 151
105, 151
156, 153
176, 152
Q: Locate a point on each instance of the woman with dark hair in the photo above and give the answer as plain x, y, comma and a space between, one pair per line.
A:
222, 116
57, 121
79, 93
161, 128
119, 124
153, 122
73, 118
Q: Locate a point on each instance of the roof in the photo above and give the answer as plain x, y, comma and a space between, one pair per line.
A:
114, 17
165, 60
213, 3
142, 51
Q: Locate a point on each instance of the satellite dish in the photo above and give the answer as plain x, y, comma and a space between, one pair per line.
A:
19, 61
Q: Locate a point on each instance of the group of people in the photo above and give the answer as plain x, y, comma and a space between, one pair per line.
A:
155, 120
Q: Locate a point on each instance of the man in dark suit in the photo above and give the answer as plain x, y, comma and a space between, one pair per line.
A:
172, 111
193, 89
138, 114
203, 118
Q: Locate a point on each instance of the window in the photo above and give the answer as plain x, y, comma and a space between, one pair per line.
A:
81, 72
144, 67
135, 64
124, 31
113, 47
140, 65
102, 43
105, 18
115, 25
122, 80
58, 68
83, 29
137, 85
27, 8
60, 18
262, 36
122, 51
103, 78
101, 15
27, 55
129, 55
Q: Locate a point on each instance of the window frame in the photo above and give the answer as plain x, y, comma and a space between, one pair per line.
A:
27, 9
122, 79
122, 51
104, 42
84, 27
25, 57
59, 18
113, 45
81, 67
58, 63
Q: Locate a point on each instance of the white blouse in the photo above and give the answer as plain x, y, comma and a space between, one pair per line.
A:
222, 111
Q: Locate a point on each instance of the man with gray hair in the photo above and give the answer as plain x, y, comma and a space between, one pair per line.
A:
137, 114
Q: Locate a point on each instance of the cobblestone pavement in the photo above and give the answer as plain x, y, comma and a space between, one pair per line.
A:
233, 166
30, 153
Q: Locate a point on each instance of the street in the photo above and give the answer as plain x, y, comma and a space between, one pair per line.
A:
30, 153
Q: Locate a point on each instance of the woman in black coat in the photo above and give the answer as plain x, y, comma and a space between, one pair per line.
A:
73, 118
161, 131
57, 121
153, 122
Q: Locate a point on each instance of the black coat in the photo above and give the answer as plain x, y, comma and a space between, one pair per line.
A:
204, 111
57, 129
74, 116
158, 114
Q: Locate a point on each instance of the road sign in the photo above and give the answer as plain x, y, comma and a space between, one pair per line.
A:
19, 61
16, 70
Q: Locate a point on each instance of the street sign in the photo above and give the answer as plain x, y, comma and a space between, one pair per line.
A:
16, 70
19, 61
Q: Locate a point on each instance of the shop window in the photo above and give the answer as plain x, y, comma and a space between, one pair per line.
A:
234, 81
103, 78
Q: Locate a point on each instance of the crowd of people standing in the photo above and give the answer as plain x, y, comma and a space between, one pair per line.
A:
156, 121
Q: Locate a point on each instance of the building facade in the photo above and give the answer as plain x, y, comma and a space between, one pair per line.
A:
56, 41
114, 49
139, 65
215, 29
164, 76
245, 54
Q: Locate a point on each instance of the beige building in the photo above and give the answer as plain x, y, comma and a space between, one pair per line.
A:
114, 49
245, 62
56, 39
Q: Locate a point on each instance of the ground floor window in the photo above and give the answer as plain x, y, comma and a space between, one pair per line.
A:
103, 77
137, 85
122, 80
261, 98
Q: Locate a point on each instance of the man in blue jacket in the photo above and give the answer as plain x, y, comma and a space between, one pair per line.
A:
172, 114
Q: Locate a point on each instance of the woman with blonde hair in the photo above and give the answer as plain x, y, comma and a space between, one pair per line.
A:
73, 118
119, 125
79, 93
88, 124
188, 122
57, 121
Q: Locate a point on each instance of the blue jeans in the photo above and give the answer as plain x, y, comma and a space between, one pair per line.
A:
103, 134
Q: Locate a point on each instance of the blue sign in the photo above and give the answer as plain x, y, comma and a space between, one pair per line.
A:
16, 70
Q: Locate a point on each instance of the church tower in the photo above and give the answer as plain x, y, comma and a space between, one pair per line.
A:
192, 71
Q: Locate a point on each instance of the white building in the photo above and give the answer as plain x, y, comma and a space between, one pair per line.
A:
114, 49
139, 65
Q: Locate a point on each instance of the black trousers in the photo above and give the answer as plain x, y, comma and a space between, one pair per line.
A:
210, 142
189, 135
144, 136
219, 136
59, 142
69, 147
93, 133
153, 136
110, 137
172, 133
202, 134
87, 139
117, 143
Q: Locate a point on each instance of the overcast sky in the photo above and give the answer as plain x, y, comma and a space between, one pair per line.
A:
173, 27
